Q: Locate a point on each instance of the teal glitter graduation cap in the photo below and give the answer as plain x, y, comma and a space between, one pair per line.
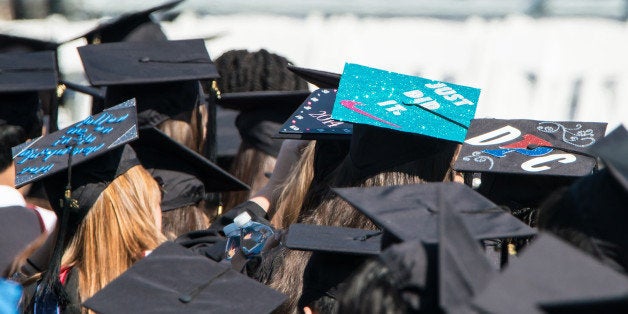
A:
405, 103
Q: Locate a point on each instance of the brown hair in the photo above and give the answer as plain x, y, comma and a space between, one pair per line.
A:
326, 208
190, 134
116, 232
250, 166
182, 220
293, 190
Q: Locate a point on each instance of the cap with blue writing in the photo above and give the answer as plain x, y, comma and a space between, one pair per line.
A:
530, 147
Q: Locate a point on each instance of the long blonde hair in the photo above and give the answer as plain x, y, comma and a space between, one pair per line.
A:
293, 190
116, 232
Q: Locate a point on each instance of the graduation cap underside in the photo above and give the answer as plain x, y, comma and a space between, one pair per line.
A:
33, 71
333, 239
312, 120
128, 63
11, 43
411, 211
173, 279
157, 150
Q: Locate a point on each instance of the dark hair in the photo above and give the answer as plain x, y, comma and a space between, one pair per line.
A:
182, 220
591, 215
23, 109
10, 136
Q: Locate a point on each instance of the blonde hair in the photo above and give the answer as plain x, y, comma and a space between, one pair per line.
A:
119, 228
191, 132
293, 190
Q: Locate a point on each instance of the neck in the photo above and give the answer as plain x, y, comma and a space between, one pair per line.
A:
7, 177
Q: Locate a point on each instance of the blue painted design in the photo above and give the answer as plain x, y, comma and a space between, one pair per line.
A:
539, 151
405, 103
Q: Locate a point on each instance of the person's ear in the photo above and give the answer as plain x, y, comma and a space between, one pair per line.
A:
307, 310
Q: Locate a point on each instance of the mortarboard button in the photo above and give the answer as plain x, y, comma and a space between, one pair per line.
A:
321, 79
156, 150
411, 211
312, 120
173, 279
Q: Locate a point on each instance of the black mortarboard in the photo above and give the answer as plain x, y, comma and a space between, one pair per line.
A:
28, 72
411, 211
330, 239
136, 26
312, 120
322, 79
157, 150
173, 279
261, 115
463, 269
19, 227
613, 149
550, 271
178, 188
529, 147
129, 63
10, 43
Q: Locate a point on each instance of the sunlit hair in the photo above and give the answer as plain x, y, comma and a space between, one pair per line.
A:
250, 166
116, 232
292, 191
183, 220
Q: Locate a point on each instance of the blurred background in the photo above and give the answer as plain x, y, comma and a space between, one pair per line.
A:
543, 59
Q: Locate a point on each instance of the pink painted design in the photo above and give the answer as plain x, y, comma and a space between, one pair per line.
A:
352, 105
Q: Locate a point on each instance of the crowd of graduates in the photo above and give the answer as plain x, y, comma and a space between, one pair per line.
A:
126, 210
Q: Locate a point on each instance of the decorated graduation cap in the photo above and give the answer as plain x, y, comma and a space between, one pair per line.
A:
551, 272
261, 115
529, 147
176, 280
11, 43
613, 150
331, 239
407, 212
156, 150
405, 103
135, 26
312, 120
321, 79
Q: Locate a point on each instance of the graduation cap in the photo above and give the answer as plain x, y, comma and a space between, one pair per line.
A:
553, 273
312, 120
84, 140
331, 239
129, 63
135, 26
261, 115
10, 43
408, 212
95, 92
405, 103
337, 253
28, 72
613, 149
173, 279
322, 79
529, 147
178, 189
19, 227
157, 150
